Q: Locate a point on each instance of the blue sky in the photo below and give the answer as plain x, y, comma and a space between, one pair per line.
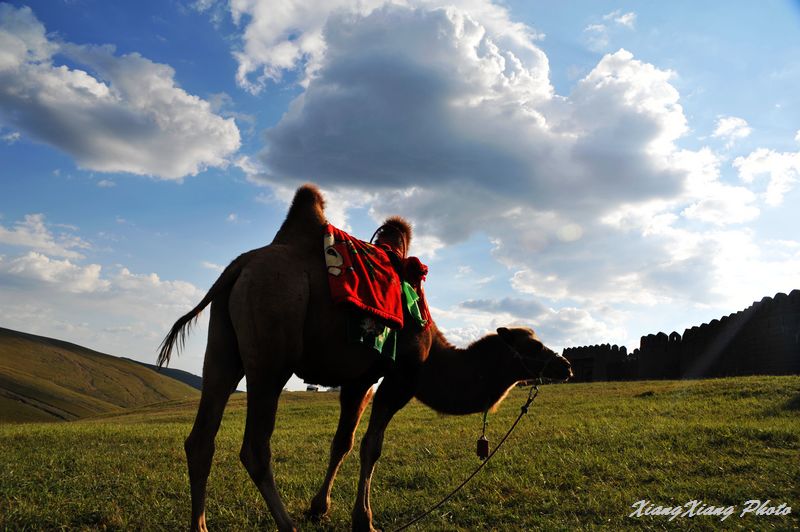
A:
596, 170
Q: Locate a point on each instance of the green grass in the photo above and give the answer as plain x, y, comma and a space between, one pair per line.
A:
579, 460
42, 379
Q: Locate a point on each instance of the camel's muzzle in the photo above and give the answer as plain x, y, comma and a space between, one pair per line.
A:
557, 368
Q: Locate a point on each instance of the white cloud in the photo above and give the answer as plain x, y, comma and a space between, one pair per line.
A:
572, 326
203, 5
22, 38
167, 298
10, 138
730, 205
467, 273
598, 35
222, 104
212, 266
558, 328
425, 246
548, 286
278, 40
452, 107
106, 183
731, 128
338, 200
623, 19
748, 269
425, 109
32, 232
710, 200
447, 116
61, 274
49, 290
129, 115
251, 168
117, 312
524, 308
782, 168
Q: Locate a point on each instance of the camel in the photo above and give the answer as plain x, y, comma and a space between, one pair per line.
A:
272, 315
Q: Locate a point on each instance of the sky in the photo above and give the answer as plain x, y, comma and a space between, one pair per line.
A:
595, 170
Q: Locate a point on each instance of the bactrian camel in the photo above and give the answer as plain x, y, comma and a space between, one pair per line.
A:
272, 315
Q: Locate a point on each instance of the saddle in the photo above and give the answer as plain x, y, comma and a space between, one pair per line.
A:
377, 280
370, 277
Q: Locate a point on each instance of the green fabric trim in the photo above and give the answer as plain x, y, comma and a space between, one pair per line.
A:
412, 304
366, 330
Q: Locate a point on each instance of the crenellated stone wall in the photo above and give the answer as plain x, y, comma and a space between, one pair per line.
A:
763, 339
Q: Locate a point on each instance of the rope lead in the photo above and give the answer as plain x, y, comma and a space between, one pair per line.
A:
532, 393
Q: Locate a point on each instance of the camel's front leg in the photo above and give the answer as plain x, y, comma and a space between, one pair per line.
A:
353, 399
392, 395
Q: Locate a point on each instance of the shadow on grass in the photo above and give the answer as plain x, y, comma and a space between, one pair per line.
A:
793, 403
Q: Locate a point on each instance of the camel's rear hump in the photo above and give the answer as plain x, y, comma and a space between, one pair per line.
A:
305, 221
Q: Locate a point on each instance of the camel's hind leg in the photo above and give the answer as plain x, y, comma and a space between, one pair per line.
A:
256, 453
222, 370
268, 310
353, 399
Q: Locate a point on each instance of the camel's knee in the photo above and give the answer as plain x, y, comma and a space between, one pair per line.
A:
198, 448
342, 445
370, 448
191, 443
255, 460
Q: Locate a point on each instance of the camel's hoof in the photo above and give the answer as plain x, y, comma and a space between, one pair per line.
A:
318, 511
365, 528
290, 527
316, 516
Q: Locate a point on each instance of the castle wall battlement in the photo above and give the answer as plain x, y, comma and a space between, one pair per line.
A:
763, 339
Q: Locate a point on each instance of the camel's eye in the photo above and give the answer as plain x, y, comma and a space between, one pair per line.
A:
535, 349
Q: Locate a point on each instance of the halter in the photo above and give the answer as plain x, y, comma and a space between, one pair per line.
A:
516, 354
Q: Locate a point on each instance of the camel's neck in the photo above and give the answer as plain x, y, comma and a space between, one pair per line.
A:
465, 381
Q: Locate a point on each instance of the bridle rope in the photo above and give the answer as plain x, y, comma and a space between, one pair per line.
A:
533, 392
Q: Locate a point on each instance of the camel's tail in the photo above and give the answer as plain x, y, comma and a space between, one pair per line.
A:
177, 335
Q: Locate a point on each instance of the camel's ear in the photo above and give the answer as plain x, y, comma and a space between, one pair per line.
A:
506, 335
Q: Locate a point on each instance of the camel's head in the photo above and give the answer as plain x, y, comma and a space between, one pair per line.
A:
535, 358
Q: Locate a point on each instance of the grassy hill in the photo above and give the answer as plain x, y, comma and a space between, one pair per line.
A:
579, 461
43, 379
190, 379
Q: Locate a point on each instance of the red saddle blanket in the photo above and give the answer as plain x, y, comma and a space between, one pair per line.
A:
362, 274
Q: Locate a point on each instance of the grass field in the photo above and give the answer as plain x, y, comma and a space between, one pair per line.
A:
579, 460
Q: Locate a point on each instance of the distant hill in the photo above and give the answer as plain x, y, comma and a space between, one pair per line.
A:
43, 379
195, 381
